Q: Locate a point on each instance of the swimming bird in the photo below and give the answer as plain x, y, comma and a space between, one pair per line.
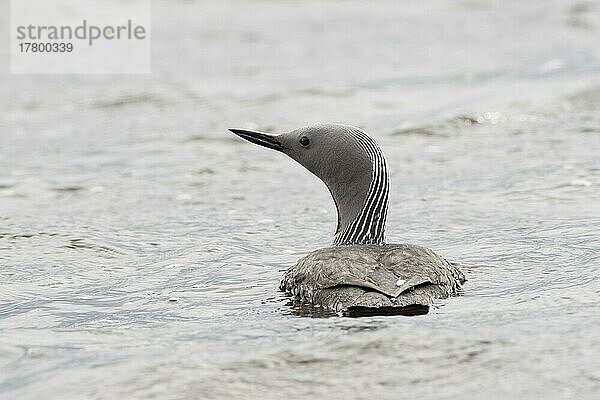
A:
359, 271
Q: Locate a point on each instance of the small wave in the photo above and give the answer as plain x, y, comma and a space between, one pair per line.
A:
588, 99
67, 189
206, 138
126, 100
81, 244
435, 129
15, 236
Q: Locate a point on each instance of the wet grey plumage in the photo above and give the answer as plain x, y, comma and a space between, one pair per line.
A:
360, 271
372, 276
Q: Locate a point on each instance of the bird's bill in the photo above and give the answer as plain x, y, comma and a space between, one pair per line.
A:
259, 138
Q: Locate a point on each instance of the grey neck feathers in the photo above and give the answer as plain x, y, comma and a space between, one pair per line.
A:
362, 199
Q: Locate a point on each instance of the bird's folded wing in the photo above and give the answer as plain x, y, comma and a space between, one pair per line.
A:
391, 273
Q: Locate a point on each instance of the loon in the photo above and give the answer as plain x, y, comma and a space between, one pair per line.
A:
359, 272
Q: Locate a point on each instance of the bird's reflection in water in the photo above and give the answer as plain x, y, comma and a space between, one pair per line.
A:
303, 309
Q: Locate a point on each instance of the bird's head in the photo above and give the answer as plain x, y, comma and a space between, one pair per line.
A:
330, 151
345, 158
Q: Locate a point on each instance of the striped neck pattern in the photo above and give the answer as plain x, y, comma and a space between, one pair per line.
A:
368, 227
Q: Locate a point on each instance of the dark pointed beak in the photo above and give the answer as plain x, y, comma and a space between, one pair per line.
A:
259, 138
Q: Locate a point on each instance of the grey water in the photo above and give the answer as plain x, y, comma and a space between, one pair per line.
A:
141, 243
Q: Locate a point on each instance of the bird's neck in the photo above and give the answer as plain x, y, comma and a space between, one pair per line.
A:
363, 203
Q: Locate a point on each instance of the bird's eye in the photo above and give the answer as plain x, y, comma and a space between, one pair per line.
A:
304, 141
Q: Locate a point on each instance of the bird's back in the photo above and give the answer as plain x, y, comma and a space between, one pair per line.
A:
346, 278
